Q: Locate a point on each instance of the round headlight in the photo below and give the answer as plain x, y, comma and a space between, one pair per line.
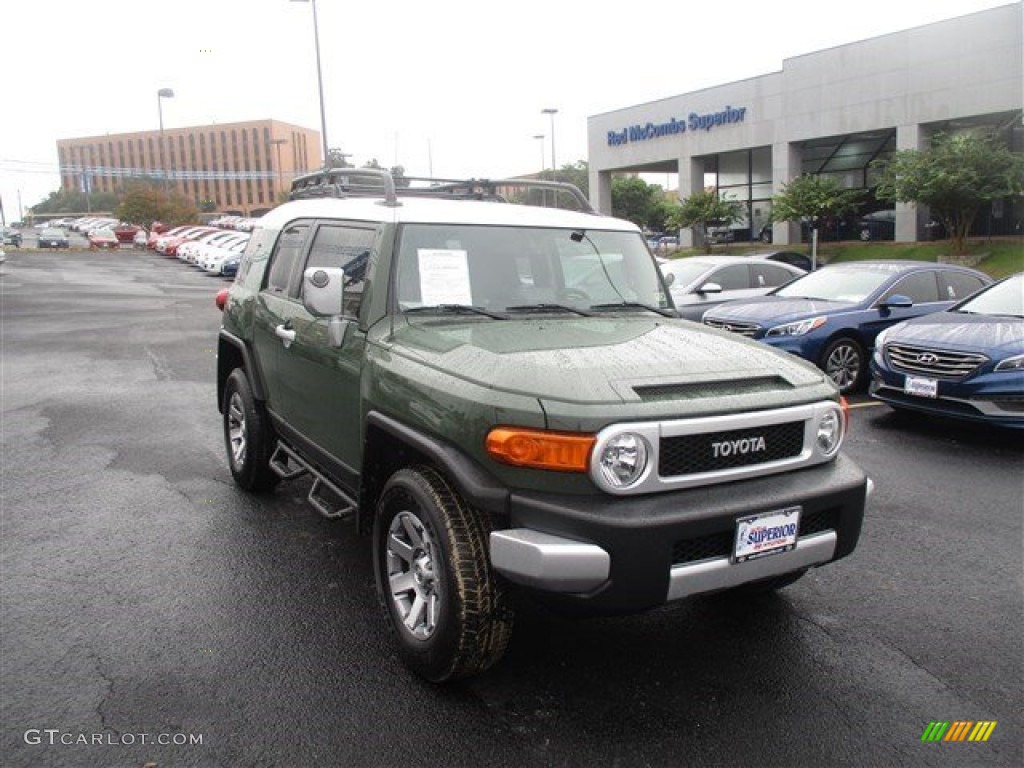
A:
830, 432
623, 459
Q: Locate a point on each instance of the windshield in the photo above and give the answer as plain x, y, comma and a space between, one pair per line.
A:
1005, 298
836, 284
497, 268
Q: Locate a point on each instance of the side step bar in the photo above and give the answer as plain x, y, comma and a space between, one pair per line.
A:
325, 497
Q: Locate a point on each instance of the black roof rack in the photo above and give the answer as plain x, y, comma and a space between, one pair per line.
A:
376, 182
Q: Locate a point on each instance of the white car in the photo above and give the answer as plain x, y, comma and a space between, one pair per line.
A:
216, 256
141, 238
187, 250
198, 249
698, 283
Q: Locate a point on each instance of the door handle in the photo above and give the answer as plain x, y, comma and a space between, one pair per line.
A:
285, 334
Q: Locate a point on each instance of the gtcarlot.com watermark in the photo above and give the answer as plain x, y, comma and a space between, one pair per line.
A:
55, 736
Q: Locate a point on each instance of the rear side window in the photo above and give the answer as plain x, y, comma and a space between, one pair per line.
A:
955, 286
921, 287
732, 278
769, 275
285, 257
347, 247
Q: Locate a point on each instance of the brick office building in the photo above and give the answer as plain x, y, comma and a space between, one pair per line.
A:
239, 167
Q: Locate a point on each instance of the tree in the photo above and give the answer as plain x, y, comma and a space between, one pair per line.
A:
702, 209
577, 174
145, 203
812, 199
634, 199
73, 201
954, 177
338, 159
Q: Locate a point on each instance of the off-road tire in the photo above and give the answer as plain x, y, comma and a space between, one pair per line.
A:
472, 620
845, 362
247, 436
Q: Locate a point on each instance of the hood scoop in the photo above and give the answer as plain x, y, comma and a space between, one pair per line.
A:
698, 390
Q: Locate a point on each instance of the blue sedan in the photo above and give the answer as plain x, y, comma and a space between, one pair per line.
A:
967, 362
831, 317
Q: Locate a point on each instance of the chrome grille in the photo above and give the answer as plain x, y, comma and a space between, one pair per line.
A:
743, 329
938, 363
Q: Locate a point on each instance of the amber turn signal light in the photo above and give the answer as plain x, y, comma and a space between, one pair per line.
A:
540, 449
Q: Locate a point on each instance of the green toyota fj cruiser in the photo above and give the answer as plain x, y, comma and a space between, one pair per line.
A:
502, 397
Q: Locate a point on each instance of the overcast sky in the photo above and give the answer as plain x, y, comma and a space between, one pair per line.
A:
452, 86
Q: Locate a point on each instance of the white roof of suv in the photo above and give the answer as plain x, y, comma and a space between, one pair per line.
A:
439, 211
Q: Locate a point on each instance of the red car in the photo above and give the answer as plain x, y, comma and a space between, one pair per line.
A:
125, 233
169, 247
103, 237
154, 235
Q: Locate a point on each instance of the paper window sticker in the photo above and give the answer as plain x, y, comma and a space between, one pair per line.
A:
444, 276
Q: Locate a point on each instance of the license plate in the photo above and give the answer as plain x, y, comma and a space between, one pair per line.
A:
771, 533
916, 385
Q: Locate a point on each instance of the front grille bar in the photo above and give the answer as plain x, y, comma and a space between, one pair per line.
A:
939, 363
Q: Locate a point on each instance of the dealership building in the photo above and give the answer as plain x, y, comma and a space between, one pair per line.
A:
830, 112
230, 167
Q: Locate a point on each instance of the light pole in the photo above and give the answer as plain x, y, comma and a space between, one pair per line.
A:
551, 112
280, 183
319, 79
163, 93
543, 192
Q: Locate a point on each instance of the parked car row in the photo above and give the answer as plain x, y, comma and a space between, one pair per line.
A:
217, 251
934, 338
240, 223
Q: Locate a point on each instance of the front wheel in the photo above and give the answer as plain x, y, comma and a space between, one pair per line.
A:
450, 613
844, 362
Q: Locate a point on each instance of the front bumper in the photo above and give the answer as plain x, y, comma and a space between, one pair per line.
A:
614, 555
990, 398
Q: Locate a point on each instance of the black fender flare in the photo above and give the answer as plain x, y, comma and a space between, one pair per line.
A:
224, 367
473, 482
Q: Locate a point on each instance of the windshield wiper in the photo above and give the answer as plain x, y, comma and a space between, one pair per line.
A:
635, 305
544, 307
457, 309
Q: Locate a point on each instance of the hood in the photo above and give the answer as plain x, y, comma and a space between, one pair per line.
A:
987, 334
591, 360
773, 310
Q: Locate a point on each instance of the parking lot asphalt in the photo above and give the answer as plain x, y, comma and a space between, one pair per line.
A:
145, 599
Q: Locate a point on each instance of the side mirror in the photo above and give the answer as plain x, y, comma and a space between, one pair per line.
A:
323, 291
323, 295
669, 278
896, 301
709, 288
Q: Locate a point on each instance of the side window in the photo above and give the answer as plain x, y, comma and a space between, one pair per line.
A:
954, 286
257, 249
921, 287
769, 275
346, 247
733, 278
286, 256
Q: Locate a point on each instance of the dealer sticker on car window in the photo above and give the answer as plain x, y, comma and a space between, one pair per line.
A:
916, 385
770, 533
